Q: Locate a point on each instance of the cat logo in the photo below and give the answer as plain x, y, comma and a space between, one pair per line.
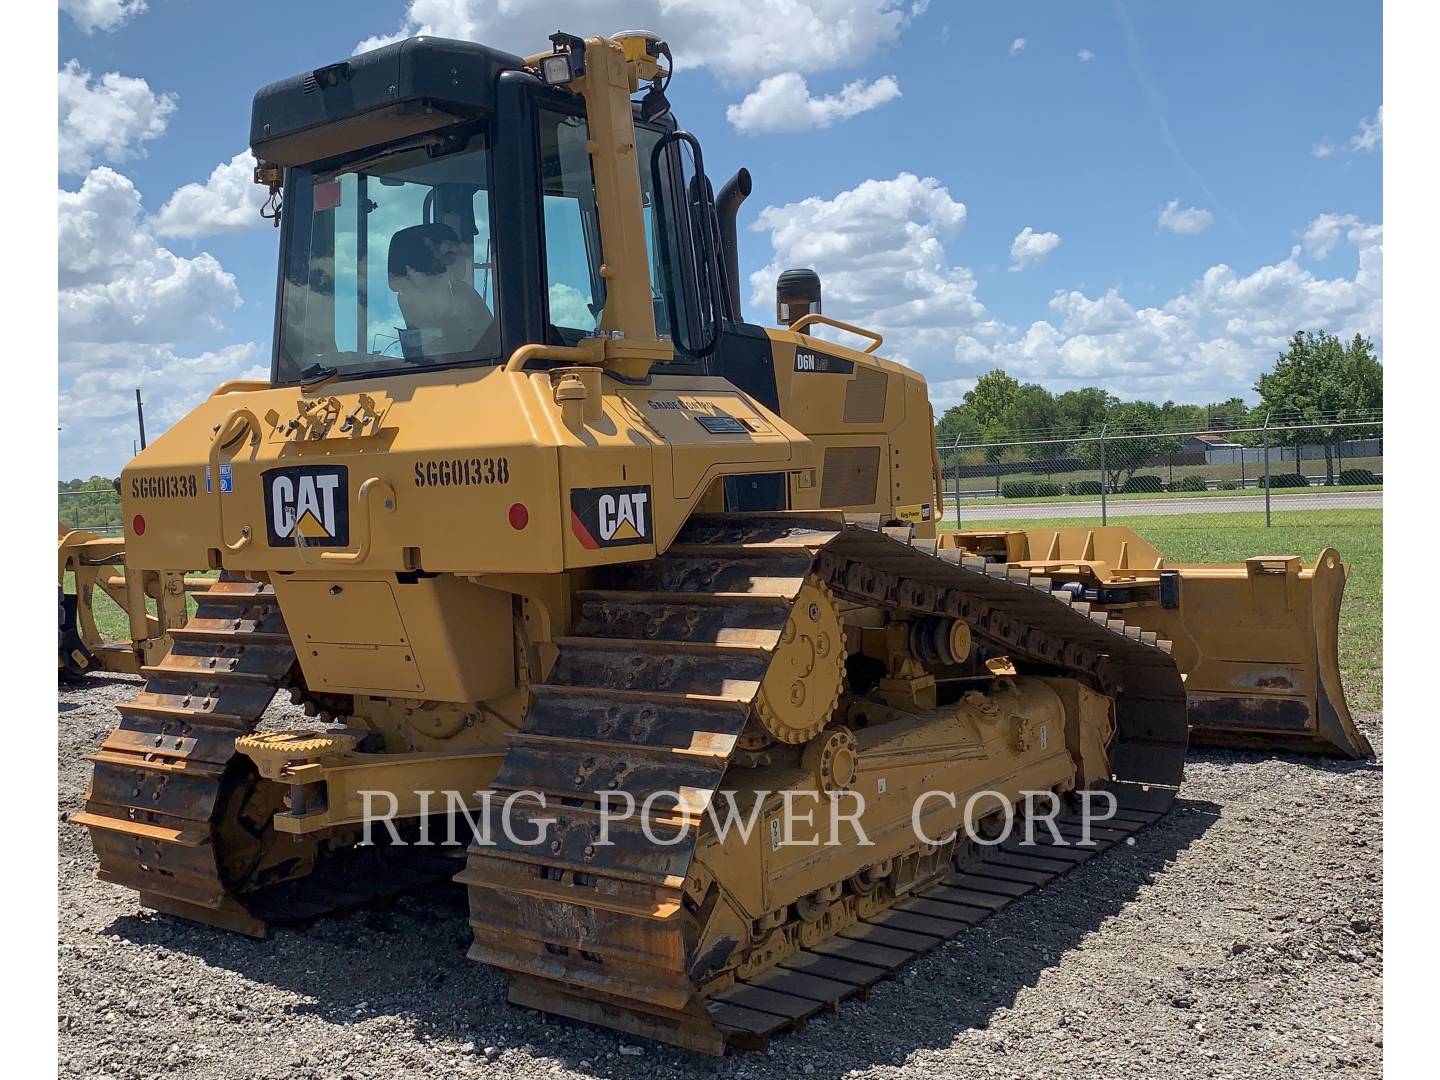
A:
311, 501
611, 516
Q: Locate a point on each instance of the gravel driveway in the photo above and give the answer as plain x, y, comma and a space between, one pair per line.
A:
1240, 937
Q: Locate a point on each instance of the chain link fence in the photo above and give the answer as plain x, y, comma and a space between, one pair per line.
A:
93, 505
1267, 474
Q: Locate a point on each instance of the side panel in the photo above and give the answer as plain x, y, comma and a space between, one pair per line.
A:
869, 419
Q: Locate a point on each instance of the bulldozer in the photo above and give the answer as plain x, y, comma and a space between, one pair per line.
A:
550, 542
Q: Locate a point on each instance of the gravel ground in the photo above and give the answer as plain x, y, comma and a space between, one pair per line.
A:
1240, 937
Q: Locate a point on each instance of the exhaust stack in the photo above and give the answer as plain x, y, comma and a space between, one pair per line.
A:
727, 206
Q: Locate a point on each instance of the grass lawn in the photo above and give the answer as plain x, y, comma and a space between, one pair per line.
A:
1211, 538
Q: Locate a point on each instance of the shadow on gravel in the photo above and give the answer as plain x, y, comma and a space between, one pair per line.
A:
406, 960
93, 680
1209, 755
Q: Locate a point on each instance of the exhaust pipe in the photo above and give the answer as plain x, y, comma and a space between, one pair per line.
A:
727, 206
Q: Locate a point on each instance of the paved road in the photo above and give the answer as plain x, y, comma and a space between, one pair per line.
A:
1005, 509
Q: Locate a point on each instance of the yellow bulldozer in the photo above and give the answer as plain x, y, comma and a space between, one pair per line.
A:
556, 546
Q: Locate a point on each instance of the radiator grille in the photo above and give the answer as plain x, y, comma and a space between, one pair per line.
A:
849, 477
865, 396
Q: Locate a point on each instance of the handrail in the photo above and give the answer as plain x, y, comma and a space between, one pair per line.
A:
364, 497
239, 386
539, 351
707, 264
815, 317
223, 437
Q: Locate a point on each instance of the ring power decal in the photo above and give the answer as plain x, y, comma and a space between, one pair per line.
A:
611, 516
311, 500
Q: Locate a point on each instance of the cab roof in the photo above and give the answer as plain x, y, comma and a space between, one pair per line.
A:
390, 93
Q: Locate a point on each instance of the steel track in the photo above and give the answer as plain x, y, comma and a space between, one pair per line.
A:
650, 694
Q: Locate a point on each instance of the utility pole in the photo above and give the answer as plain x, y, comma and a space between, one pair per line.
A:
140, 415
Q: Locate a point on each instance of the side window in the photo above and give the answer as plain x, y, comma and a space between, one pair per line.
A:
645, 143
576, 292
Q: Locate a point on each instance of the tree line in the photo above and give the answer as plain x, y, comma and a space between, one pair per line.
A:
89, 504
1316, 381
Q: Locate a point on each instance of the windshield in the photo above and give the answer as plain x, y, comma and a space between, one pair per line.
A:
390, 264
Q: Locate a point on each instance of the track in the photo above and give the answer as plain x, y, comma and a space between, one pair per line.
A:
177, 815
651, 694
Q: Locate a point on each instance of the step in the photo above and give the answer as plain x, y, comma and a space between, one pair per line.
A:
661, 667
708, 573
733, 618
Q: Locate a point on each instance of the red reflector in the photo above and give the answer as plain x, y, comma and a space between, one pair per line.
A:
327, 195
519, 516
138, 525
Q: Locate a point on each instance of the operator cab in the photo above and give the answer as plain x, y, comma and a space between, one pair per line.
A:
439, 211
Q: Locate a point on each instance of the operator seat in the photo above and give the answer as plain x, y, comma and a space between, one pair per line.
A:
432, 279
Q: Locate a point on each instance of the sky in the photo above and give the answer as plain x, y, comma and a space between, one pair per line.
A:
1148, 197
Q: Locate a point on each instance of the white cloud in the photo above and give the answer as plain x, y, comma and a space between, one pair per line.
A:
1017, 46
880, 250
1187, 222
1324, 233
1370, 136
783, 103
739, 39
107, 117
1372, 131
125, 302
1030, 247
97, 396
106, 15
1084, 56
228, 201
117, 283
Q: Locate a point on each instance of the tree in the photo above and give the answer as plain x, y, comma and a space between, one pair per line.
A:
1317, 379
89, 504
991, 398
1032, 411
1084, 409
1226, 414
1143, 420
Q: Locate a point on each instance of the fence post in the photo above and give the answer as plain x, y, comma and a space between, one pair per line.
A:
1265, 437
1104, 514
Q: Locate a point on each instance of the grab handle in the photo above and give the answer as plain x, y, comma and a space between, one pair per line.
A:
801, 323
229, 431
370, 490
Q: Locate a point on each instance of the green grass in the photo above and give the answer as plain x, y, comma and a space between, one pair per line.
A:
110, 618
1185, 538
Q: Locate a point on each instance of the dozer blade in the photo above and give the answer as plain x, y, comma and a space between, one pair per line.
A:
1257, 641
1260, 645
